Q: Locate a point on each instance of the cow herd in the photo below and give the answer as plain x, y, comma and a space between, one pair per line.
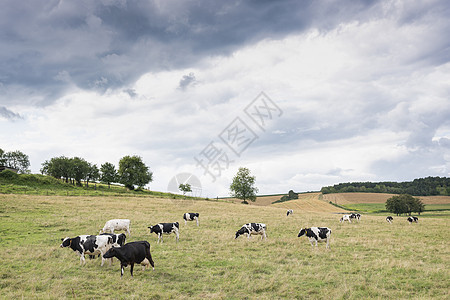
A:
109, 245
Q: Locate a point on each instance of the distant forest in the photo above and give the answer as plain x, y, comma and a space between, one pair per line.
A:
429, 186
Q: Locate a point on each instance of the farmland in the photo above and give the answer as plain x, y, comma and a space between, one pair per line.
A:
370, 259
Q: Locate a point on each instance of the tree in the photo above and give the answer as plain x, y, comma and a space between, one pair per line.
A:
242, 186
92, 173
109, 173
17, 160
404, 204
132, 171
80, 169
185, 188
58, 167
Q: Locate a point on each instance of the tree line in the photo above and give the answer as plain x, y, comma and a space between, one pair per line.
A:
429, 186
132, 171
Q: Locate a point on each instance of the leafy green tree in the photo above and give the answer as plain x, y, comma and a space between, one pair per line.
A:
17, 160
80, 169
93, 173
132, 171
108, 173
58, 167
404, 204
185, 188
242, 186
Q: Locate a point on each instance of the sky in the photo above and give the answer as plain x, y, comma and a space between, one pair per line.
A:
304, 94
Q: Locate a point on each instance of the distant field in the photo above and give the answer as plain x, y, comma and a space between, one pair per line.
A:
367, 260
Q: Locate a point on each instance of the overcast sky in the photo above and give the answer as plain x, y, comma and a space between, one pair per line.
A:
303, 93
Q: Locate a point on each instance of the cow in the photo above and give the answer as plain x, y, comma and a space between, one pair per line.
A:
190, 217
389, 219
413, 219
117, 224
316, 234
345, 218
255, 228
118, 240
289, 212
166, 228
355, 216
88, 244
130, 254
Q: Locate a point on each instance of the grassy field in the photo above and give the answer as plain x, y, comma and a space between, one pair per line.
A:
369, 259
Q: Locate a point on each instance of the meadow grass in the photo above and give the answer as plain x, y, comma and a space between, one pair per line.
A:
369, 259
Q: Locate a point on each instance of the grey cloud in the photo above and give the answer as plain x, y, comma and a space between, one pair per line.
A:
100, 45
8, 114
187, 80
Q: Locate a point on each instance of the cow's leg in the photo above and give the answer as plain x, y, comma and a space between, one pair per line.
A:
328, 243
131, 269
185, 222
121, 270
82, 259
197, 221
177, 234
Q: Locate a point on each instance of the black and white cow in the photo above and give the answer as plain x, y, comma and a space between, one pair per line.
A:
413, 219
190, 217
165, 228
289, 212
130, 254
118, 240
117, 224
88, 244
252, 228
355, 216
316, 234
345, 218
389, 219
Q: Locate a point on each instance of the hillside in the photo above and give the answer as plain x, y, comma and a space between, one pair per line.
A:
356, 198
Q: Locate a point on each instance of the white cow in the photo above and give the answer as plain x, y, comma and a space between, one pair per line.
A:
346, 218
117, 224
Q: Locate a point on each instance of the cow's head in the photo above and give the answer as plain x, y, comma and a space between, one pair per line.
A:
121, 239
302, 232
152, 228
65, 242
110, 253
240, 232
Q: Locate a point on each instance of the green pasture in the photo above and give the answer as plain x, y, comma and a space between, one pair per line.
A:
367, 260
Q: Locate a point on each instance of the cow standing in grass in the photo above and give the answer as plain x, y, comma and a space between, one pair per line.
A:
166, 228
316, 234
345, 218
289, 212
252, 228
117, 224
88, 244
190, 217
389, 219
413, 220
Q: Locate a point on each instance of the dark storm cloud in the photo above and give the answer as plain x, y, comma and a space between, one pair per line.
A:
106, 44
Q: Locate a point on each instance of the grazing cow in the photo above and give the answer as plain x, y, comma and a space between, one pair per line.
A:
165, 228
413, 219
88, 244
255, 228
316, 234
289, 212
389, 219
130, 254
117, 224
345, 218
190, 217
355, 216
